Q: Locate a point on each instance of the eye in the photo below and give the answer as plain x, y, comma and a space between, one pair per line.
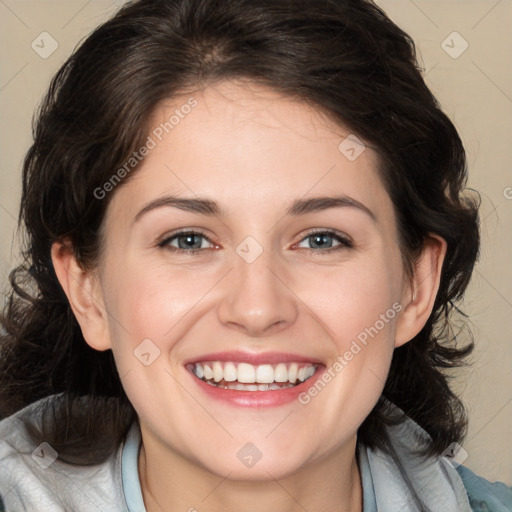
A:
324, 240
185, 241
191, 242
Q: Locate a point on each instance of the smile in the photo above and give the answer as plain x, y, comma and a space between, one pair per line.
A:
247, 377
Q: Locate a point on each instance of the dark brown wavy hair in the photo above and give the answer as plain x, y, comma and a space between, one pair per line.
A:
346, 58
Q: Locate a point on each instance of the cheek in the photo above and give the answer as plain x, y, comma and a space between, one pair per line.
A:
145, 324
359, 308
151, 308
148, 299
138, 314
353, 300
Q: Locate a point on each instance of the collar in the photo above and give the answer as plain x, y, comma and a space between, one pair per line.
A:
434, 480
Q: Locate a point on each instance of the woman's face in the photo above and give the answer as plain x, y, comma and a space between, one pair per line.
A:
264, 296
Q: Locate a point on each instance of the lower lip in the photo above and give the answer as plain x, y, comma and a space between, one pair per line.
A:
271, 398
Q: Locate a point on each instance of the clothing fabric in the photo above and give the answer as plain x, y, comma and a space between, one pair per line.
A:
31, 479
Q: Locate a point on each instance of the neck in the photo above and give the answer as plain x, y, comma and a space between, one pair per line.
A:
332, 484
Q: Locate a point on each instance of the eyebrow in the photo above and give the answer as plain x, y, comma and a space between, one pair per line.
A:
299, 207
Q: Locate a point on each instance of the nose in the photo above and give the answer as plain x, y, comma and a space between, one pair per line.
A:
257, 301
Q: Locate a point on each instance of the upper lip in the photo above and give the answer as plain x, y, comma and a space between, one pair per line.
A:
254, 358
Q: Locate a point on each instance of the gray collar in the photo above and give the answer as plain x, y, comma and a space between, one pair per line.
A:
434, 480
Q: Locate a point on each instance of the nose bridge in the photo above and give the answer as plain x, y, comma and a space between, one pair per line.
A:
256, 297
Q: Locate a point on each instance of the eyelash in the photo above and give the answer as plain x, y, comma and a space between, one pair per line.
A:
345, 242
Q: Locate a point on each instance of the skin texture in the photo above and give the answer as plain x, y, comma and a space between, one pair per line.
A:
254, 152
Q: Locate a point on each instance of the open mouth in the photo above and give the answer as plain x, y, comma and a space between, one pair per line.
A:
248, 377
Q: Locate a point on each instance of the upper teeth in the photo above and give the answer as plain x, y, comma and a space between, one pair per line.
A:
248, 373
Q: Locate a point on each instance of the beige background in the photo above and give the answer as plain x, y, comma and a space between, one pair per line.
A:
475, 89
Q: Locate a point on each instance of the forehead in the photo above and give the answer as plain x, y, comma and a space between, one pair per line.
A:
247, 146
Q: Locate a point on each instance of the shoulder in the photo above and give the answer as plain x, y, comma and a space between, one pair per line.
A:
32, 477
403, 473
485, 496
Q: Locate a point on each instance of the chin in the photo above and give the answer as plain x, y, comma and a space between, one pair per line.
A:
257, 466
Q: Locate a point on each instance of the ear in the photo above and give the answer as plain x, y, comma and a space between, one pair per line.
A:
82, 289
419, 296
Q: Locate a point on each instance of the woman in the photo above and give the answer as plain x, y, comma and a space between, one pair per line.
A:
246, 232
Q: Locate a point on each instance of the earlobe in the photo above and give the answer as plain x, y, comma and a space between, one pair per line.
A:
81, 288
420, 296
